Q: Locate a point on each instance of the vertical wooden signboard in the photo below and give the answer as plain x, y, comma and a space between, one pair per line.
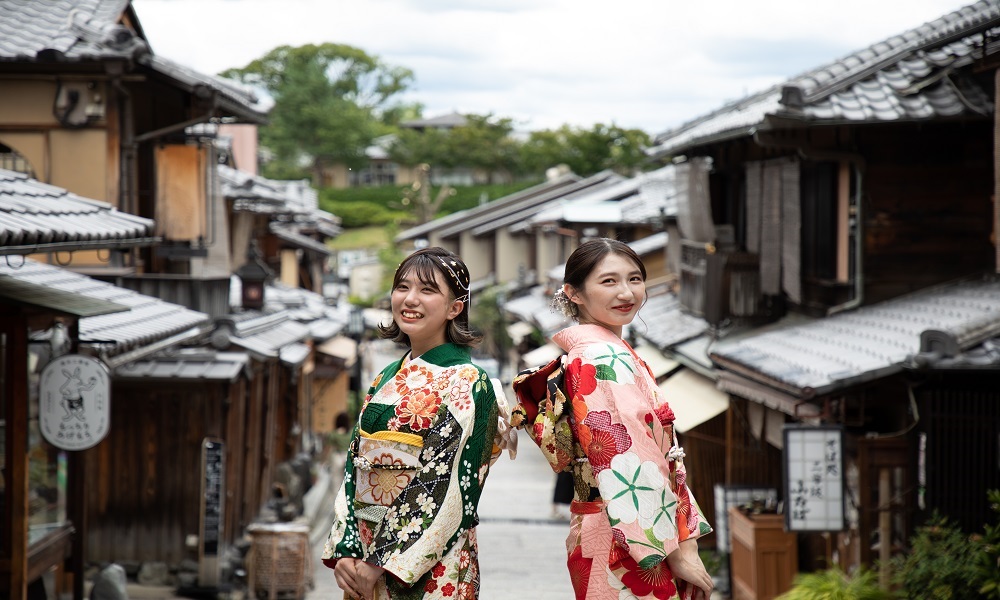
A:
814, 478
213, 471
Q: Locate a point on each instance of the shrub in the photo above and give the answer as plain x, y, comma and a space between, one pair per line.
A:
834, 584
941, 564
988, 564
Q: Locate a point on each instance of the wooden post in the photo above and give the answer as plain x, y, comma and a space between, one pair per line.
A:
15, 390
996, 175
884, 526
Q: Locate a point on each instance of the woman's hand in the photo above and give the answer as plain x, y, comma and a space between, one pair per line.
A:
346, 573
685, 564
367, 576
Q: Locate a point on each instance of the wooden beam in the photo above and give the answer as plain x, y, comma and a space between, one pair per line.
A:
15, 391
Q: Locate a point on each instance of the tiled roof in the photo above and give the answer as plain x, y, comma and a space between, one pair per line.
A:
91, 31
663, 324
194, 364
148, 321
634, 200
867, 343
916, 75
518, 216
496, 208
449, 120
35, 216
533, 308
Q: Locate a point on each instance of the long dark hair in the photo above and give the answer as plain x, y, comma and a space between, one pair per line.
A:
425, 263
586, 257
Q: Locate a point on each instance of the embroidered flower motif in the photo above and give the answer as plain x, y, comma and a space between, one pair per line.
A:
612, 363
466, 591
579, 571
446, 431
387, 483
430, 586
448, 589
418, 409
631, 487
656, 580
413, 377
426, 503
464, 559
438, 570
664, 517
581, 378
623, 592
460, 398
466, 482
607, 439
394, 424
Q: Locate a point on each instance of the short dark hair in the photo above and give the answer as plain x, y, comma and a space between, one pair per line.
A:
425, 263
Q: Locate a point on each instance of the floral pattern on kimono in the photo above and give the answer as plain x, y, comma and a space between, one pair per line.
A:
415, 470
602, 416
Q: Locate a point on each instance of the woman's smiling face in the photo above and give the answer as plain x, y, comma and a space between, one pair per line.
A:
422, 310
611, 294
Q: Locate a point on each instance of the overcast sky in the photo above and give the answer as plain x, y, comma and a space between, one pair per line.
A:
647, 64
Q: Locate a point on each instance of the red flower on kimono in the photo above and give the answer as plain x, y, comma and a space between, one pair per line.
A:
448, 589
619, 547
657, 580
579, 572
438, 570
581, 378
607, 439
664, 414
430, 586
418, 409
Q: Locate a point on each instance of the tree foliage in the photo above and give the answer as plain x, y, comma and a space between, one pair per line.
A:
329, 100
484, 142
586, 151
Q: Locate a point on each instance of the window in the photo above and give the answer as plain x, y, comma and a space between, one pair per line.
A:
47, 465
12, 160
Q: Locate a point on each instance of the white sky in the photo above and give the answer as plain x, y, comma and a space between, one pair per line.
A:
647, 64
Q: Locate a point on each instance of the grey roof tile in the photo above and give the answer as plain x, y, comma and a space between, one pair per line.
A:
35, 216
91, 31
148, 319
662, 322
854, 88
864, 344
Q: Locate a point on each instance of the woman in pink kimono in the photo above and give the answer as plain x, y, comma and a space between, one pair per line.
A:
635, 524
405, 517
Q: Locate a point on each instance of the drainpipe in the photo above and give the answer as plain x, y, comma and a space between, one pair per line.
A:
857, 162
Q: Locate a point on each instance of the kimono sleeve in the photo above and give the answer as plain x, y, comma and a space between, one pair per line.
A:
343, 539
439, 504
628, 451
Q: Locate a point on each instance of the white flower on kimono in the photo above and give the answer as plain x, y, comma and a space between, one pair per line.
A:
466, 482
446, 431
612, 362
665, 516
415, 525
623, 592
428, 466
427, 454
442, 468
631, 488
470, 508
426, 503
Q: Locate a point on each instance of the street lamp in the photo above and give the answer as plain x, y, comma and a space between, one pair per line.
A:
253, 276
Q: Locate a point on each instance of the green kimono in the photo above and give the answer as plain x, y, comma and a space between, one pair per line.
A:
415, 470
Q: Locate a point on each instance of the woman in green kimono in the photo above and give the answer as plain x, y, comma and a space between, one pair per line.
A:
405, 517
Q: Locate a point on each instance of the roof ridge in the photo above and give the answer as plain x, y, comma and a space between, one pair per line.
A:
795, 94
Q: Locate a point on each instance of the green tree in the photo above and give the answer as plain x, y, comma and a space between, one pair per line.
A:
484, 142
586, 151
328, 102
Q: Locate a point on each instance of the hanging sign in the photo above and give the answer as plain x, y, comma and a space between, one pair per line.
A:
74, 402
814, 478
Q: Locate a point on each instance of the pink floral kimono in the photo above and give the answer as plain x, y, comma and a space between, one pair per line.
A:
615, 434
415, 470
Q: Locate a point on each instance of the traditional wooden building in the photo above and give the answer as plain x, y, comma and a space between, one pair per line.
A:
838, 234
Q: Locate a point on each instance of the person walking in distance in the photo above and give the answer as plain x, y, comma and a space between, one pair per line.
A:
405, 516
598, 413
